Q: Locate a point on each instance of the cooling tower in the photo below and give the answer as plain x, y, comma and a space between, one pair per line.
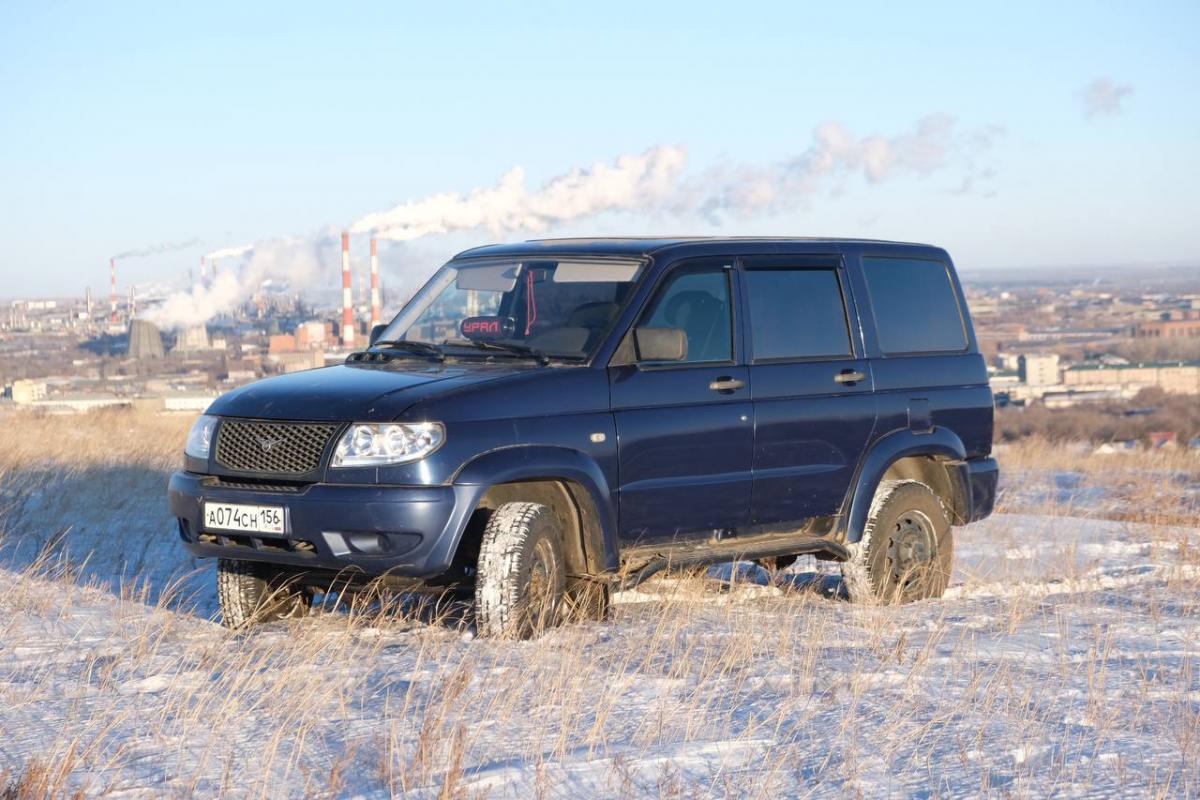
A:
193, 338
145, 342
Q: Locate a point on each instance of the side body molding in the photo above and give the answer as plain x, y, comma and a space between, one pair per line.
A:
940, 442
544, 462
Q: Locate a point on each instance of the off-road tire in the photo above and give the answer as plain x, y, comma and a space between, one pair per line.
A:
520, 581
907, 549
251, 592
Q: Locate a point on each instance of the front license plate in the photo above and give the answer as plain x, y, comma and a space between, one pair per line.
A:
235, 517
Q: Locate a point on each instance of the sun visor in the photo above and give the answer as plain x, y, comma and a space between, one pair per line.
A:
488, 277
596, 271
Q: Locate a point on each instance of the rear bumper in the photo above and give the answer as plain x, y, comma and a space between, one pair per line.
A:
406, 531
984, 477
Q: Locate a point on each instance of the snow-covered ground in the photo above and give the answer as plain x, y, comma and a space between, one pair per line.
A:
1065, 660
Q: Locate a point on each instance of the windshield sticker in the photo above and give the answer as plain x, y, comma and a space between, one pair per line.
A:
486, 328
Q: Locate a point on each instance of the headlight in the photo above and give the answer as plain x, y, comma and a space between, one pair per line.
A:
200, 437
369, 444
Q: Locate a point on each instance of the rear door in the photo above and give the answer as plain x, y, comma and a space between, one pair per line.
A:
814, 405
685, 428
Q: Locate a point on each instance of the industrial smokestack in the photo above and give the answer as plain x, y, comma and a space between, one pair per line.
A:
347, 299
203, 271
112, 277
132, 302
375, 304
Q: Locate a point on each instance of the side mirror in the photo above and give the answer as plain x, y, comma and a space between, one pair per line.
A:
376, 332
660, 344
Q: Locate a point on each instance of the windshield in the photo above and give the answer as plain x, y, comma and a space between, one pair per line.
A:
554, 308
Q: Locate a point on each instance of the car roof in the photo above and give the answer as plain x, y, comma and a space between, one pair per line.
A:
637, 247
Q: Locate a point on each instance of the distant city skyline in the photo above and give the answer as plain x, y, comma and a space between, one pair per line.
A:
1031, 136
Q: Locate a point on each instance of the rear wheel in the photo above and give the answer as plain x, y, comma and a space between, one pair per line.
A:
521, 580
251, 592
907, 549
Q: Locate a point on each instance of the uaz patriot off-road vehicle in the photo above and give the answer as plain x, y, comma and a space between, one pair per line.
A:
546, 421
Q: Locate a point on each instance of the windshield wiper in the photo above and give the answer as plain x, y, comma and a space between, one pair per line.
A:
505, 347
420, 348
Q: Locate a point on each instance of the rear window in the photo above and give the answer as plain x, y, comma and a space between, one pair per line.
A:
797, 313
916, 308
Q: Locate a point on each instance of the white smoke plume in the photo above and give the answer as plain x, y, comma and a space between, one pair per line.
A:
652, 182
631, 182
834, 157
299, 261
230, 252
156, 249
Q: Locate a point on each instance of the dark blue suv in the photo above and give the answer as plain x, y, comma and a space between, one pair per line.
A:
546, 421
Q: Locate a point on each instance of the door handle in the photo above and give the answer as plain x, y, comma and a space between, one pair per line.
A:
849, 376
726, 384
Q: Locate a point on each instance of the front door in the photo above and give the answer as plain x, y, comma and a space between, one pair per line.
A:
685, 428
814, 403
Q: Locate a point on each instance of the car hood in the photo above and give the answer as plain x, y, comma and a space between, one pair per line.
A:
353, 393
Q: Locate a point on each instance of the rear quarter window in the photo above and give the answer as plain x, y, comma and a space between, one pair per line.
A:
915, 305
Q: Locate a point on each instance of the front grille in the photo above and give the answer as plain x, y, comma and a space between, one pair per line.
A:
273, 448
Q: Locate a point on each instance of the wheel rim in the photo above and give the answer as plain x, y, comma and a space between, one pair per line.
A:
541, 600
911, 551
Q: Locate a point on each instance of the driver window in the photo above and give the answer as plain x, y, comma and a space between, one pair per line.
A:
697, 302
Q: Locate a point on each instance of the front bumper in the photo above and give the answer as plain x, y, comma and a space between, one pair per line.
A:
407, 531
984, 478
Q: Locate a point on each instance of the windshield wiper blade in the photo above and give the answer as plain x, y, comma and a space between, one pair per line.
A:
504, 347
420, 348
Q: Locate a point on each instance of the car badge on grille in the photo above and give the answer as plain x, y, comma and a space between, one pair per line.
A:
268, 445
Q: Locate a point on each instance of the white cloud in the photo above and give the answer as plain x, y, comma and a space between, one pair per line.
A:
1103, 96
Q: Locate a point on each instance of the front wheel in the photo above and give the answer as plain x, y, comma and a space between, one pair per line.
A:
251, 592
907, 549
521, 577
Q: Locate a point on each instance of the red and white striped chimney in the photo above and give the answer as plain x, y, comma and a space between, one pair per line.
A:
112, 277
347, 298
374, 282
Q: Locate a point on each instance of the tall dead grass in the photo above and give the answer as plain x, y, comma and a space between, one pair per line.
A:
696, 688
1159, 487
105, 436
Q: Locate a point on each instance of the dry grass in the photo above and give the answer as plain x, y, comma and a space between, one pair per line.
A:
1062, 661
1159, 487
109, 436
1033, 453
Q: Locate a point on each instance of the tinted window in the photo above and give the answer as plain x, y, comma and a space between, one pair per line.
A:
916, 310
797, 313
697, 302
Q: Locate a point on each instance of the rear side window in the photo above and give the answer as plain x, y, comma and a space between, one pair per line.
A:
797, 313
916, 308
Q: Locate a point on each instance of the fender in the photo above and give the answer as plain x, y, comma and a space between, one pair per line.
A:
546, 462
886, 451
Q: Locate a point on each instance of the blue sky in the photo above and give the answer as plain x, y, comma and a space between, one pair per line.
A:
127, 125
